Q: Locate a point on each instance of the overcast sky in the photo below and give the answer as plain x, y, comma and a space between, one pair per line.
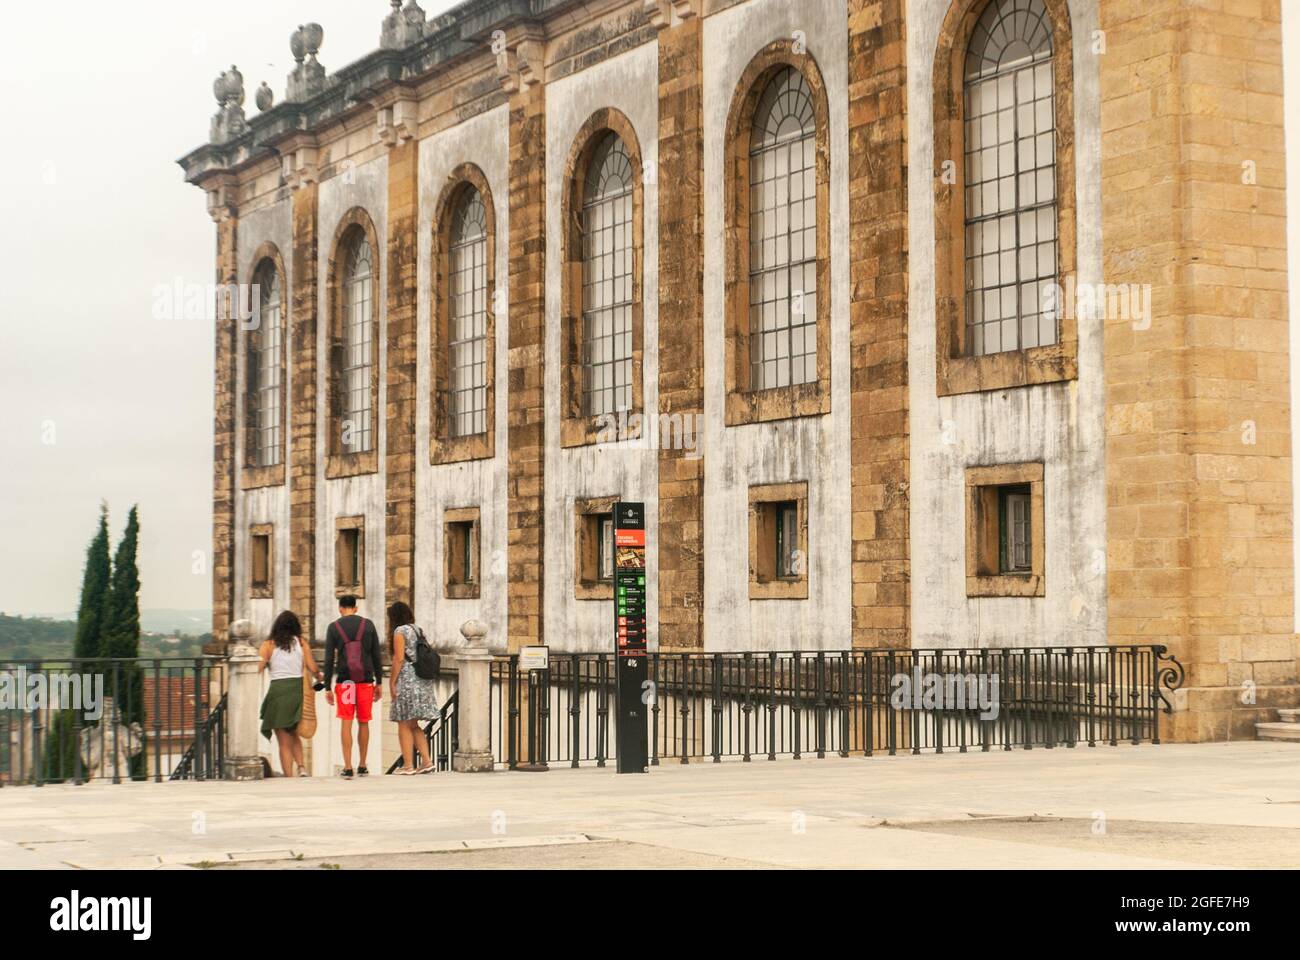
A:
101, 401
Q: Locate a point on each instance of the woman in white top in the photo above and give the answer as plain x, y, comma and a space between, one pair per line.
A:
284, 653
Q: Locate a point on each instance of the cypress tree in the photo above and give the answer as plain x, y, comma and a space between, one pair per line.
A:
121, 630
121, 633
94, 592
60, 749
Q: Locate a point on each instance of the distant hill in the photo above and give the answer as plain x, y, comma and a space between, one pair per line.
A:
27, 639
44, 638
192, 622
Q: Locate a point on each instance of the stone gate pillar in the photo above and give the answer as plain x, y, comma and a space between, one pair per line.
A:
474, 750
243, 696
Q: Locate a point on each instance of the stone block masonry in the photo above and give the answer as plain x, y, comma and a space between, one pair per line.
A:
681, 332
303, 453
878, 323
526, 425
399, 449
1198, 444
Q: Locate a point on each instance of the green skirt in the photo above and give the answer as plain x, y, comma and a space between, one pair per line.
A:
282, 708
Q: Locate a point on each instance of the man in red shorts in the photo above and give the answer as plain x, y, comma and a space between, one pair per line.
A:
352, 643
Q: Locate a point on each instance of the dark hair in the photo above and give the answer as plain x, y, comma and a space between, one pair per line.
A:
347, 602
286, 630
399, 615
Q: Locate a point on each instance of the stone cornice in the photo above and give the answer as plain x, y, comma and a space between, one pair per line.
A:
376, 82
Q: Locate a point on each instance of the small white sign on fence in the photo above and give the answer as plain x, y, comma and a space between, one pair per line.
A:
534, 658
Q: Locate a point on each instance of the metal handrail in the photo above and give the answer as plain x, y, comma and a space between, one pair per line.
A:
444, 728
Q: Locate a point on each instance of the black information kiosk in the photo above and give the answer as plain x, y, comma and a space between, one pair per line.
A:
630, 640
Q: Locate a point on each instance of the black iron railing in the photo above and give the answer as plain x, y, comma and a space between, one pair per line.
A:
443, 735
203, 759
74, 720
717, 706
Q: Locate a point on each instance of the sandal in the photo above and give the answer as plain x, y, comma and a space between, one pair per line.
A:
347, 774
407, 772
428, 768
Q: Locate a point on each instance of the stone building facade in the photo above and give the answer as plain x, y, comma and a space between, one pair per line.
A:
914, 323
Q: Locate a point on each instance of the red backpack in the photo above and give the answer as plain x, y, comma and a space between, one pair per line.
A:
352, 651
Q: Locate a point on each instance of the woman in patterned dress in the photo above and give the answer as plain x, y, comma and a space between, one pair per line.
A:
414, 701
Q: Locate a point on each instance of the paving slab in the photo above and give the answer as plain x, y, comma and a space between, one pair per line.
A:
812, 812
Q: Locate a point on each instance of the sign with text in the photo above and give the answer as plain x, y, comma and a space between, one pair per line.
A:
534, 658
630, 637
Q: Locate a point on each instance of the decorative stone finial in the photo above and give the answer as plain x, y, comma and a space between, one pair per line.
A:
229, 121
265, 97
307, 78
403, 27
234, 86
473, 631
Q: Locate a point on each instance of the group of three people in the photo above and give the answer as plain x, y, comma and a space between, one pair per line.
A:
353, 680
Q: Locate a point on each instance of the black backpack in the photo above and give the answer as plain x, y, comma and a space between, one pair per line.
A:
428, 664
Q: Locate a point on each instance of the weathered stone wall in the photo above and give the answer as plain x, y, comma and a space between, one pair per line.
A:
812, 449
1198, 436
681, 329
272, 225
480, 483
1163, 523
627, 83
1058, 424
360, 181
878, 324
526, 427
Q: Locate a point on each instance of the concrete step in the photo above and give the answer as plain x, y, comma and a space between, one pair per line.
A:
1278, 731
1291, 715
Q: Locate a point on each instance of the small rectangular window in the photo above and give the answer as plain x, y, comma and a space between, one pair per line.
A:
259, 563
594, 549
461, 553
1016, 538
787, 540
1004, 531
778, 542
605, 569
350, 556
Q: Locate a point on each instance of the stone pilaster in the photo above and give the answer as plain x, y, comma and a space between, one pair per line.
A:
681, 331
399, 448
526, 425
878, 323
1198, 445
223, 448
303, 453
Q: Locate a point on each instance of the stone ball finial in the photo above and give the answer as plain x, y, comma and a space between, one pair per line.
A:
265, 97
313, 35
219, 89
298, 44
474, 632
241, 631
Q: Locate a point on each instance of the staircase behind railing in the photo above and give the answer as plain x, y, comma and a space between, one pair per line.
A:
442, 736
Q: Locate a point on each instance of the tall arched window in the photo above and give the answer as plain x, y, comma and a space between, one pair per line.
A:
783, 235
265, 362
607, 280
356, 368
1010, 179
467, 305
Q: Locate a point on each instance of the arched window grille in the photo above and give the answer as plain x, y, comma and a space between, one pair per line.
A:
468, 316
1010, 189
265, 362
783, 235
607, 279
358, 358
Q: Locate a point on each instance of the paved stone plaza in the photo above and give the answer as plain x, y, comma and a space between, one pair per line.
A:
1221, 805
